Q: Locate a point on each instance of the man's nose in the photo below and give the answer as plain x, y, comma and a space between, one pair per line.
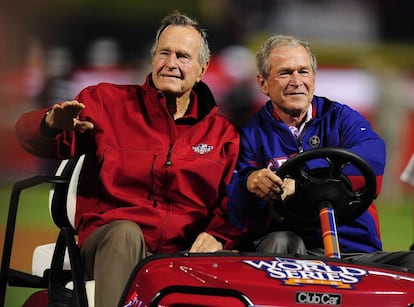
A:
296, 78
172, 60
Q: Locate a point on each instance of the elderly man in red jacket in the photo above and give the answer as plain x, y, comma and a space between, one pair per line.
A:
158, 159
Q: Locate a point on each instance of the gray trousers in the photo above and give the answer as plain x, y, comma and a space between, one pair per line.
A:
281, 242
109, 255
287, 242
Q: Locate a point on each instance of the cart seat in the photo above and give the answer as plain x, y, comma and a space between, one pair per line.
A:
62, 208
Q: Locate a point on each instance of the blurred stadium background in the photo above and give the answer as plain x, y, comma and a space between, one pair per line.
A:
49, 50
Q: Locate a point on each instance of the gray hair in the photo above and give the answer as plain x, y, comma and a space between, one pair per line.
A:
178, 19
262, 56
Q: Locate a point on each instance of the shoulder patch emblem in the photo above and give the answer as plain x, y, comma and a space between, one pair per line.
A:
202, 148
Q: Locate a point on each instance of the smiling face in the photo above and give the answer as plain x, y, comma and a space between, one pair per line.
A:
290, 83
176, 61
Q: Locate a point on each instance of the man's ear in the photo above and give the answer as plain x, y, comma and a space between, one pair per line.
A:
203, 70
262, 83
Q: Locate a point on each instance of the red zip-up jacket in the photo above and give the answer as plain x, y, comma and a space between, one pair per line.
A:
137, 168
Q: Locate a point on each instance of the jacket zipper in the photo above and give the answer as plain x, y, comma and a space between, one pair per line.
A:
152, 193
168, 162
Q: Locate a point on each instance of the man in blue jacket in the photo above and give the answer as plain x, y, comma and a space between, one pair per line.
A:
292, 121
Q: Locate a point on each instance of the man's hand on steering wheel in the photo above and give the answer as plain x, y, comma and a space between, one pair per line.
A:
265, 184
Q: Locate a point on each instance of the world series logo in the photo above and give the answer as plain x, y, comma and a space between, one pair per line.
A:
297, 272
202, 148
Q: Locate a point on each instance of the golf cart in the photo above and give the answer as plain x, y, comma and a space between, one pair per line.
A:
226, 278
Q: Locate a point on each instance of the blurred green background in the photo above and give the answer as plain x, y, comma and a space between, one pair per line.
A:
33, 227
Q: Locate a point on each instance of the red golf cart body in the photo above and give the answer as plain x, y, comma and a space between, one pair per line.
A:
230, 279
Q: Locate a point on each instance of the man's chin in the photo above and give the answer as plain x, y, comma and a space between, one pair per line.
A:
298, 104
171, 92
169, 88
296, 109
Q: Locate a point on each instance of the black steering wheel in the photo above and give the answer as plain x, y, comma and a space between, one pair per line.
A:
326, 186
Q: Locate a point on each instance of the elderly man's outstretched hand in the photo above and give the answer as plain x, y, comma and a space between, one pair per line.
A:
65, 116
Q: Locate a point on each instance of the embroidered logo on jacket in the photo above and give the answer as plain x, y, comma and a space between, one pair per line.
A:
202, 148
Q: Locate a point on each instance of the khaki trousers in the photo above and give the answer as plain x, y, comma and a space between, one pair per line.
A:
109, 255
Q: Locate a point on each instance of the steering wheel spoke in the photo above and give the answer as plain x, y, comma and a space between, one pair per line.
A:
336, 167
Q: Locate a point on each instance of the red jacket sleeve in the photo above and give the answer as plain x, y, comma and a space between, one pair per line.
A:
31, 138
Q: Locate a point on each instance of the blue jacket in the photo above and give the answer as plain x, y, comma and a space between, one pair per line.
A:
266, 141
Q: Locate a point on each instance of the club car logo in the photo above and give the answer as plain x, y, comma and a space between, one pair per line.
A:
295, 272
315, 298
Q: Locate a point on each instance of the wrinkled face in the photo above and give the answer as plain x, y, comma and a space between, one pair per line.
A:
291, 81
175, 63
